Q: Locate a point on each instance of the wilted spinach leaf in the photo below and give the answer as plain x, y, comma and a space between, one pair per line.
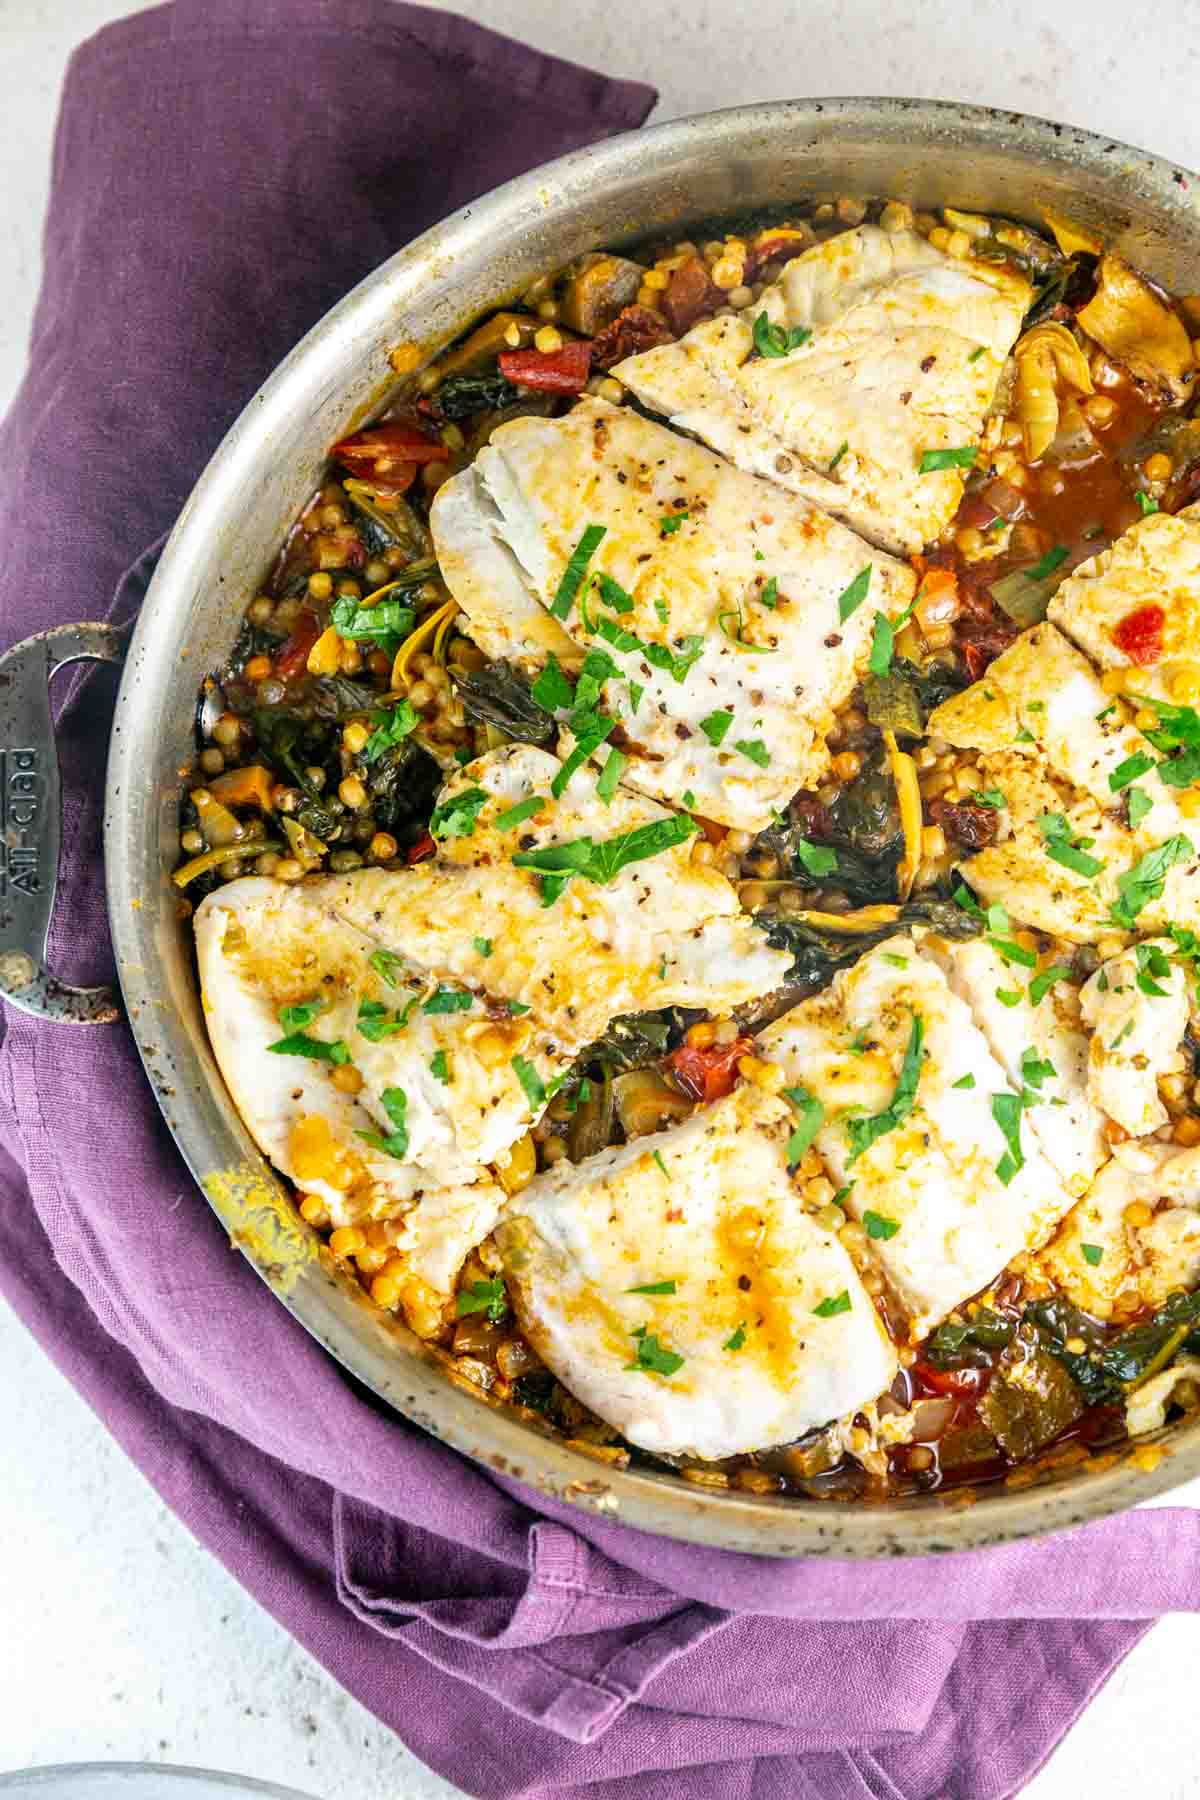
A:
499, 695
461, 395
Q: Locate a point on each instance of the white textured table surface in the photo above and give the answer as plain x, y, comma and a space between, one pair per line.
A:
121, 1639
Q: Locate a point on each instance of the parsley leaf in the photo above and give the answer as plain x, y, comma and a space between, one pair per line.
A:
602, 861
456, 817
390, 728
879, 1226
439, 1065
1048, 564
1041, 984
576, 569
716, 727
817, 859
1146, 880
834, 1304
531, 1081
517, 815
395, 1105
1138, 804
1152, 967
483, 1296
1063, 847
777, 340
295, 1018
449, 1000
755, 750
610, 775
964, 1081
1035, 1069
1007, 1110
1091, 1253
299, 1043
552, 690
651, 1357
671, 522
1146, 502
375, 1022
810, 1117
737, 1340
863, 1132
852, 597
1129, 770
838, 455
386, 964
483, 945
933, 460
653, 1287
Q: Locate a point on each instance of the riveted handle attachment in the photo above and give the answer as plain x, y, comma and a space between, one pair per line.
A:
31, 822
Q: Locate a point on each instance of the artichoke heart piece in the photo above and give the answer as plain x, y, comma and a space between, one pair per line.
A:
1127, 318
1046, 356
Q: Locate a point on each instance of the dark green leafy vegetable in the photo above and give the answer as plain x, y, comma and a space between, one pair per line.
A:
1030, 1399
908, 691
777, 340
1146, 880
601, 860
969, 1345
483, 1296
461, 395
456, 816
500, 696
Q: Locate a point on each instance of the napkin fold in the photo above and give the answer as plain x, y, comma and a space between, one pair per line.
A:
224, 170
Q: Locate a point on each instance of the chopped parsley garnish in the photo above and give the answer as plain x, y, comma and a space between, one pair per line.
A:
1152, 967
483, 1296
1129, 770
1009, 996
863, 1132
879, 1226
737, 1340
653, 1287
651, 1357
852, 597
386, 965
395, 1104
832, 1305
1035, 1069
439, 1065
612, 593
456, 817
375, 1022
387, 623
530, 1080
932, 460
636, 690
676, 663
661, 611
297, 1018
1063, 847
298, 1043
1041, 984
1146, 880
576, 569
859, 1042
1052, 560
610, 775
769, 597
601, 861
964, 1081
448, 999
810, 1116
716, 727
592, 731
658, 1157
976, 353
817, 859
838, 455
1138, 804
1091, 1253
671, 522
552, 690
755, 750
391, 728
777, 340
962, 896
1121, 1036
1025, 736
993, 797
1007, 1110
483, 945
517, 815
1146, 503
731, 625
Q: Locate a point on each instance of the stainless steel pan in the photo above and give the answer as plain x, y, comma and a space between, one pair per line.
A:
664, 179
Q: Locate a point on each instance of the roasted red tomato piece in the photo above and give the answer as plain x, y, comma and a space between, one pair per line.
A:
292, 658
635, 328
1140, 635
562, 371
708, 1074
423, 847
389, 455
689, 295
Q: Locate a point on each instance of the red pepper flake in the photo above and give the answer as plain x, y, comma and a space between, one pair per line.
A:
1140, 635
562, 371
708, 1074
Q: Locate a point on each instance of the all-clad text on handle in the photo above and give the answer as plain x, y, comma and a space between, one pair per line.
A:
31, 822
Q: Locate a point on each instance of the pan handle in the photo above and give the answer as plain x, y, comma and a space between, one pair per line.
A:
31, 822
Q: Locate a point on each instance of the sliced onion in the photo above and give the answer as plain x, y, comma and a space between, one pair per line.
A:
931, 1417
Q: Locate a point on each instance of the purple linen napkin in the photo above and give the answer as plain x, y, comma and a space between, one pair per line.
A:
223, 172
